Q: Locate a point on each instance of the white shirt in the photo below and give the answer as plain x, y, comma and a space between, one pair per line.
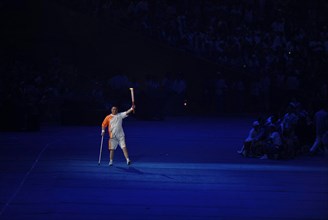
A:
115, 122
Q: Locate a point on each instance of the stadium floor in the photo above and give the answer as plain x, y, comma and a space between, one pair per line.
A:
182, 168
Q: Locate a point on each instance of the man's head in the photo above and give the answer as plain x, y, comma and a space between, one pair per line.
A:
114, 110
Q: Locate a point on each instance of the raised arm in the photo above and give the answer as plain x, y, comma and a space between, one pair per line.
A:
131, 109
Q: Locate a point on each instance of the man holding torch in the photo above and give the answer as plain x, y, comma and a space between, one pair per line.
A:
115, 129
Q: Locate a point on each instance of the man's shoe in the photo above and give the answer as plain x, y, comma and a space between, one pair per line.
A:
110, 163
128, 162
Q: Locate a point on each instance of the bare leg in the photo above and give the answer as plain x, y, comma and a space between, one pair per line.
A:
111, 157
111, 154
126, 155
125, 152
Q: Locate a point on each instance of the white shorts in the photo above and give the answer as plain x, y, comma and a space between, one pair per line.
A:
113, 142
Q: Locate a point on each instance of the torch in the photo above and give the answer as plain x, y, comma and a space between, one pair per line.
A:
132, 97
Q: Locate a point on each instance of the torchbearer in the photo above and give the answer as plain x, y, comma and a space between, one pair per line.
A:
116, 134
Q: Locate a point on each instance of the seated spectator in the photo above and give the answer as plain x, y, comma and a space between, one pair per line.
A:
321, 128
289, 121
250, 141
273, 145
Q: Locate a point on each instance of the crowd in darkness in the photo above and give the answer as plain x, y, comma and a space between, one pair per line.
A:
277, 50
263, 36
280, 46
30, 94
